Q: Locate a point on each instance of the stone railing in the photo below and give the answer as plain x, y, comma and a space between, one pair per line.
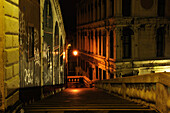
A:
152, 90
78, 79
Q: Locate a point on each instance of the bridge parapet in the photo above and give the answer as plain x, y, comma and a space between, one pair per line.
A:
79, 79
152, 89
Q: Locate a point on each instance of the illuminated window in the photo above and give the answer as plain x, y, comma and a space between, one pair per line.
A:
31, 41
161, 8
111, 44
160, 38
126, 38
126, 7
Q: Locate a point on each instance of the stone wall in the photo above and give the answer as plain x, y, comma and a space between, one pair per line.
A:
9, 31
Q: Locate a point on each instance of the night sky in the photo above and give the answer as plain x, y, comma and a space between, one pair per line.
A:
68, 10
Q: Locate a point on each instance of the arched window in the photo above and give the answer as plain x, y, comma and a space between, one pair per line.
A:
126, 38
160, 40
111, 44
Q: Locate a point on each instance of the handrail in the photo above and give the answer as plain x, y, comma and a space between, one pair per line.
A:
151, 89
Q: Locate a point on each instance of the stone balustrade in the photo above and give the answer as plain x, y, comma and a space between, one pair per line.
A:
77, 79
152, 89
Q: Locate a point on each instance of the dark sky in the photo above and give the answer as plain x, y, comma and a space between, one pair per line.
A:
68, 10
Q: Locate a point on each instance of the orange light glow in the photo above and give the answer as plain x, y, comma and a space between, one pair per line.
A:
64, 55
74, 90
75, 52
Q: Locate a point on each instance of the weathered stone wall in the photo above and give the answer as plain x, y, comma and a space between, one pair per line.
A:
9, 55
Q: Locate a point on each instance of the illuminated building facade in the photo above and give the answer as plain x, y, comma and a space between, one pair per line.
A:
32, 39
118, 38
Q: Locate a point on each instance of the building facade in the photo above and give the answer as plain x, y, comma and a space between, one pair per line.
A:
32, 42
118, 38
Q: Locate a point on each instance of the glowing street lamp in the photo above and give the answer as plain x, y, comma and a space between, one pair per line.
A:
75, 53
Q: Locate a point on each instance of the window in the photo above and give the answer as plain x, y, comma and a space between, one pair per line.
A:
160, 39
127, 32
99, 9
96, 8
96, 72
48, 14
111, 44
91, 12
161, 8
96, 42
112, 3
100, 42
100, 74
104, 74
104, 43
31, 41
126, 8
92, 41
104, 9
89, 45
